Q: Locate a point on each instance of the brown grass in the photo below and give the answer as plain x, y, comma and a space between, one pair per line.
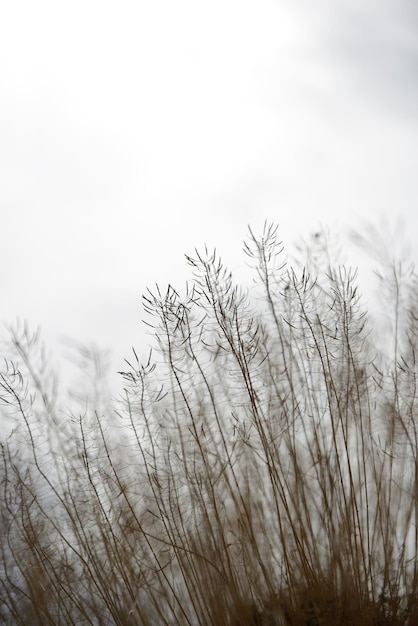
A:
260, 468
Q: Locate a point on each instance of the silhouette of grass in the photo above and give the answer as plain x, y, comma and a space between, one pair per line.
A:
260, 468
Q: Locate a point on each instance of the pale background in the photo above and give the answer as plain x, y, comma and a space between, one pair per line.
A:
133, 131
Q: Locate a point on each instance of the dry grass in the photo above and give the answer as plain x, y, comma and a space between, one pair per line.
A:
260, 468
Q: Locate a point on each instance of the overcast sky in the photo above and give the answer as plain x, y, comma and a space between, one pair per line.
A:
131, 132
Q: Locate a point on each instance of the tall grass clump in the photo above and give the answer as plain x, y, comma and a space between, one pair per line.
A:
260, 467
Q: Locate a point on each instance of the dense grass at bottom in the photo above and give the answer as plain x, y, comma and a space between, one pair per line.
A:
259, 468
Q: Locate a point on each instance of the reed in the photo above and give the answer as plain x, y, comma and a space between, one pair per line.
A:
261, 467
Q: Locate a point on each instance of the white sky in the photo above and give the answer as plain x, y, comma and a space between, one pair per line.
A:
131, 132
